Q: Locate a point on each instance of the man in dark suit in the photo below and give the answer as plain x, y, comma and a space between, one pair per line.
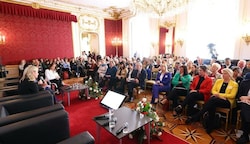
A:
244, 96
227, 64
136, 78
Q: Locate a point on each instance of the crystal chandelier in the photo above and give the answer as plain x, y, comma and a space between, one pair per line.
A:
161, 7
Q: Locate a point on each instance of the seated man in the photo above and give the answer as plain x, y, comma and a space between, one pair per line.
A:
110, 75
244, 94
137, 78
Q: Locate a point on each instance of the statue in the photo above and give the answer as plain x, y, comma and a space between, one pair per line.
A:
213, 51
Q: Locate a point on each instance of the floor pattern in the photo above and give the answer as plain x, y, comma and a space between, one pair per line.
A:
193, 133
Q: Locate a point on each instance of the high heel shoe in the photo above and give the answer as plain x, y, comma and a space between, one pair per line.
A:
178, 109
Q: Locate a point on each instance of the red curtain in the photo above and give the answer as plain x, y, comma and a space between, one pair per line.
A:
113, 28
15, 9
162, 38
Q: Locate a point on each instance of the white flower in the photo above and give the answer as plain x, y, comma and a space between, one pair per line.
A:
138, 109
157, 118
144, 100
130, 136
159, 133
90, 88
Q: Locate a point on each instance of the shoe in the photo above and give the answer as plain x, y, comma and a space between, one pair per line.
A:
209, 130
243, 139
156, 101
189, 120
178, 109
174, 113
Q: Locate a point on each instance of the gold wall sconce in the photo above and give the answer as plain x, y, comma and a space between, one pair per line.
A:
246, 38
116, 42
180, 42
2, 38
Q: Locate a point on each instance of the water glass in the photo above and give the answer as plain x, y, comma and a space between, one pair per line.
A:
111, 112
112, 122
126, 127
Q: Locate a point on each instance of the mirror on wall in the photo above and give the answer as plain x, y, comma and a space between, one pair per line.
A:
90, 42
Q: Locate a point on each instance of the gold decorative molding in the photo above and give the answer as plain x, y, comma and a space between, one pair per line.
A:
35, 5
114, 12
89, 23
169, 24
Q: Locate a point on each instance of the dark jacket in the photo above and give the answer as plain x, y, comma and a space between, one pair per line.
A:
28, 87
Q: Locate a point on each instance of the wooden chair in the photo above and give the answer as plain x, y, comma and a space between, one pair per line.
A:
150, 82
238, 122
227, 116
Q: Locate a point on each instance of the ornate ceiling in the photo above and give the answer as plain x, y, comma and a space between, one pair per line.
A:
113, 9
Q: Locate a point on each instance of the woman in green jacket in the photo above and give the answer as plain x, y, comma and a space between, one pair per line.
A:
181, 84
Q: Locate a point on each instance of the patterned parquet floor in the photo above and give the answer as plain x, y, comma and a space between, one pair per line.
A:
193, 133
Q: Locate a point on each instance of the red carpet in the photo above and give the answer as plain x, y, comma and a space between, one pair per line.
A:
81, 113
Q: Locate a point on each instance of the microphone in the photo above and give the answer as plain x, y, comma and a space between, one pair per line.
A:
104, 117
41, 78
121, 129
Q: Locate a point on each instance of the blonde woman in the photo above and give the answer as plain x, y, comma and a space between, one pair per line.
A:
28, 82
223, 95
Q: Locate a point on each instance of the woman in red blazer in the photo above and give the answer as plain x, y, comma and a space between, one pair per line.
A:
200, 89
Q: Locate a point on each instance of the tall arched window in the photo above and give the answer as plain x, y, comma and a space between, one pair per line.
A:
212, 21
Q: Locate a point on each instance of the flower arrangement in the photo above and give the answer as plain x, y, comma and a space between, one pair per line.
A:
146, 108
94, 90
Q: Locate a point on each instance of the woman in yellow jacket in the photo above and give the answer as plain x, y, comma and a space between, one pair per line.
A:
223, 95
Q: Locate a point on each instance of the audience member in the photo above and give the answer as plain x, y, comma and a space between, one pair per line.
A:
200, 89
52, 76
121, 78
244, 102
181, 84
162, 83
223, 95
236, 75
214, 72
137, 78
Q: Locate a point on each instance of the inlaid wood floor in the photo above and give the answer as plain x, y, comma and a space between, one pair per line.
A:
193, 133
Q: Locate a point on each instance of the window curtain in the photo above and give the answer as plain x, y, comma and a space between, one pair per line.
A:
15, 9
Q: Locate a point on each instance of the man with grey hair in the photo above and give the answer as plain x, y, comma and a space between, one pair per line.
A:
139, 75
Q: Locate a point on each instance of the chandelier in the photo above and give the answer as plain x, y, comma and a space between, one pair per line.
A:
161, 7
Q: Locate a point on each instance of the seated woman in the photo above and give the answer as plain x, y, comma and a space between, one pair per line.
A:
29, 84
52, 76
244, 97
200, 89
223, 95
214, 72
162, 83
181, 84
121, 78
101, 72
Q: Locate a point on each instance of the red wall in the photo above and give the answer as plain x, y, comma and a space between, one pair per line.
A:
113, 28
29, 38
